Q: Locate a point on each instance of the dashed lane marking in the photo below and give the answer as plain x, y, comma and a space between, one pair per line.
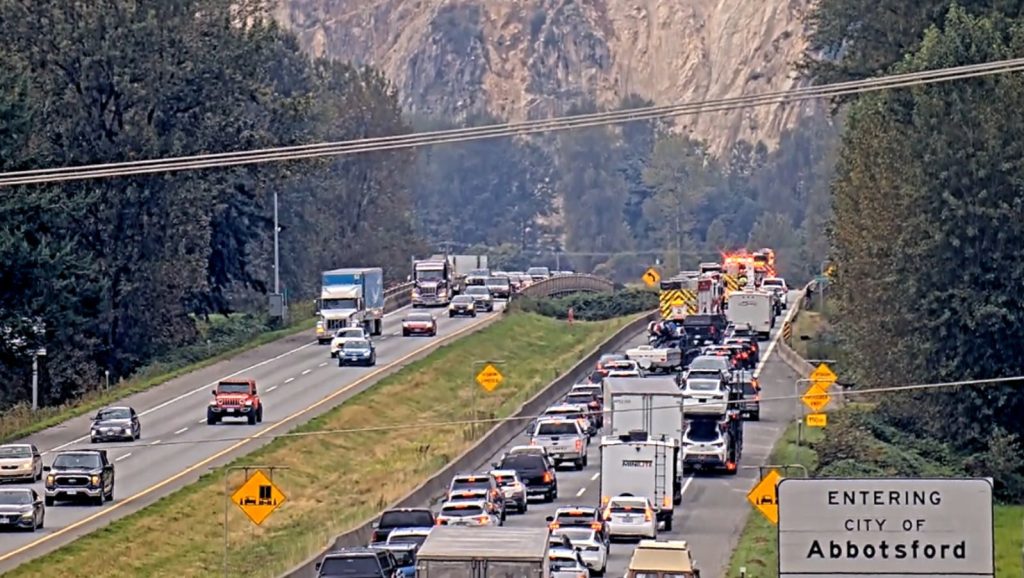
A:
271, 388
289, 380
306, 371
181, 431
124, 457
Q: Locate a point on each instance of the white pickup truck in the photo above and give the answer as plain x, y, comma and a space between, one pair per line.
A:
652, 358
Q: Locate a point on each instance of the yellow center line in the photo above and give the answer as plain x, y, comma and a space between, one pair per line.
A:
196, 466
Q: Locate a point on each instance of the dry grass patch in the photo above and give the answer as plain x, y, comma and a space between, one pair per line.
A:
335, 481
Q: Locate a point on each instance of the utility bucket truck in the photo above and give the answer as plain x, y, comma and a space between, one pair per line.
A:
350, 298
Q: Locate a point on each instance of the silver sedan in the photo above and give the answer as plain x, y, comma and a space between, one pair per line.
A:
590, 546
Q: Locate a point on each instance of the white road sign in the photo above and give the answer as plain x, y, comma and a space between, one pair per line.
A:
891, 527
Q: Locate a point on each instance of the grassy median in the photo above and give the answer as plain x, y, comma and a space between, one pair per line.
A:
20, 421
339, 480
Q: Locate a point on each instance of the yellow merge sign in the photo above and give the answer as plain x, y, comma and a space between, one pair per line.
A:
258, 497
764, 496
489, 378
823, 376
651, 277
816, 397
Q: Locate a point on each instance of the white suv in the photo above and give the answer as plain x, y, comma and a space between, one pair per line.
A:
778, 285
345, 335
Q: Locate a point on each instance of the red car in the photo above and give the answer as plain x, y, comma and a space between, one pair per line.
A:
419, 324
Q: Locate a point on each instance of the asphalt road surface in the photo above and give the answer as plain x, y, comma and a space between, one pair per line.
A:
714, 507
297, 381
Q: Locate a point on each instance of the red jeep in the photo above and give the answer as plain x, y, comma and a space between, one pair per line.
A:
235, 398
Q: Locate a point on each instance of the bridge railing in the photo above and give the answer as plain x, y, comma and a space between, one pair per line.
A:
398, 296
565, 284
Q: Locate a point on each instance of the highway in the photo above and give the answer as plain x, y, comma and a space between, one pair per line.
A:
297, 381
714, 507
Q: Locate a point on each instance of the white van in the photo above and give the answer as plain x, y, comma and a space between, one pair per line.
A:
753, 308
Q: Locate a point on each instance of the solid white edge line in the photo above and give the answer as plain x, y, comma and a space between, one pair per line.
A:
209, 385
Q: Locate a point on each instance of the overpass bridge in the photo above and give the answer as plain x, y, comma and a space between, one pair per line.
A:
568, 284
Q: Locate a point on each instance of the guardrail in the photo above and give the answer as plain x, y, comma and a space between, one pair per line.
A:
564, 284
786, 353
478, 454
398, 296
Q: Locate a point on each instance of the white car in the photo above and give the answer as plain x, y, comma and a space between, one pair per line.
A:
623, 368
705, 394
631, 517
345, 335
467, 513
414, 536
580, 413
512, 489
591, 547
566, 563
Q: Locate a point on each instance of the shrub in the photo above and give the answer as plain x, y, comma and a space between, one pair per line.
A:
592, 306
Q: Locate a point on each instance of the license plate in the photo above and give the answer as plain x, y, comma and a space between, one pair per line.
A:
627, 519
72, 492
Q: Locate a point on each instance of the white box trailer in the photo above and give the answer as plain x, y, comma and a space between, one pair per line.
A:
484, 552
636, 465
754, 308
652, 404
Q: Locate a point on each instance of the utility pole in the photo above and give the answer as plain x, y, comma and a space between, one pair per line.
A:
277, 252
39, 351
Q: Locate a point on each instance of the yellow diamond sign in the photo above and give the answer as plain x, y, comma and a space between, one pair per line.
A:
489, 378
651, 277
816, 397
258, 497
765, 498
823, 376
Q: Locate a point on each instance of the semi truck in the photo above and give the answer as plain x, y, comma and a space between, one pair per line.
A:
350, 298
437, 279
484, 552
638, 465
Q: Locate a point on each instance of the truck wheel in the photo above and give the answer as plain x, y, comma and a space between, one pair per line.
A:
668, 524
586, 460
405, 333
415, 305
756, 416
251, 417
48, 501
259, 414
579, 464
211, 418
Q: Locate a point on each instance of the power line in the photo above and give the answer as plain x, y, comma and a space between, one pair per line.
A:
379, 144
456, 423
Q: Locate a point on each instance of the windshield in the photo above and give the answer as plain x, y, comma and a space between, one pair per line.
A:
708, 363
577, 516
350, 332
703, 431
523, 463
477, 290
538, 271
354, 566
581, 398
702, 384
479, 273
360, 345
772, 283
430, 275
554, 429
417, 519
420, 318
627, 507
563, 564
462, 510
336, 304
16, 497
477, 484
233, 388
76, 461
114, 413
505, 480
575, 535
498, 281
462, 299
415, 539
7, 452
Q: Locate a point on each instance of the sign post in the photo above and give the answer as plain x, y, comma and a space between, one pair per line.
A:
257, 497
488, 378
884, 527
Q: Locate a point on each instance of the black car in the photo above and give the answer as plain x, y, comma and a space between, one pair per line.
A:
115, 423
536, 473
79, 474
462, 305
357, 352
705, 329
357, 562
401, 518
750, 407
750, 343
21, 509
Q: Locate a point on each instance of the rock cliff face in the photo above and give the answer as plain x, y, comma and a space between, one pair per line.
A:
522, 59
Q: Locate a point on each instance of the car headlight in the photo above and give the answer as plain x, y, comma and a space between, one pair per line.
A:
27, 515
49, 480
126, 429
95, 480
248, 402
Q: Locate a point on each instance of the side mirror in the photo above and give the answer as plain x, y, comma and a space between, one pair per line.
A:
494, 465
213, 391
317, 566
549, 519
46, 468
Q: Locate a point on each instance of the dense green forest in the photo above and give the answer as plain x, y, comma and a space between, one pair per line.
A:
123, 271
929, 224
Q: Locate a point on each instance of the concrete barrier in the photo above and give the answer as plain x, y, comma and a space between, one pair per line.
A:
397, 297
477, 455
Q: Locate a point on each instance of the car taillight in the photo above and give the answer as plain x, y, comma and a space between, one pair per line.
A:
579, 445
648, 515
549, 477
596, 525
553, 526
666, 502
484, 519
